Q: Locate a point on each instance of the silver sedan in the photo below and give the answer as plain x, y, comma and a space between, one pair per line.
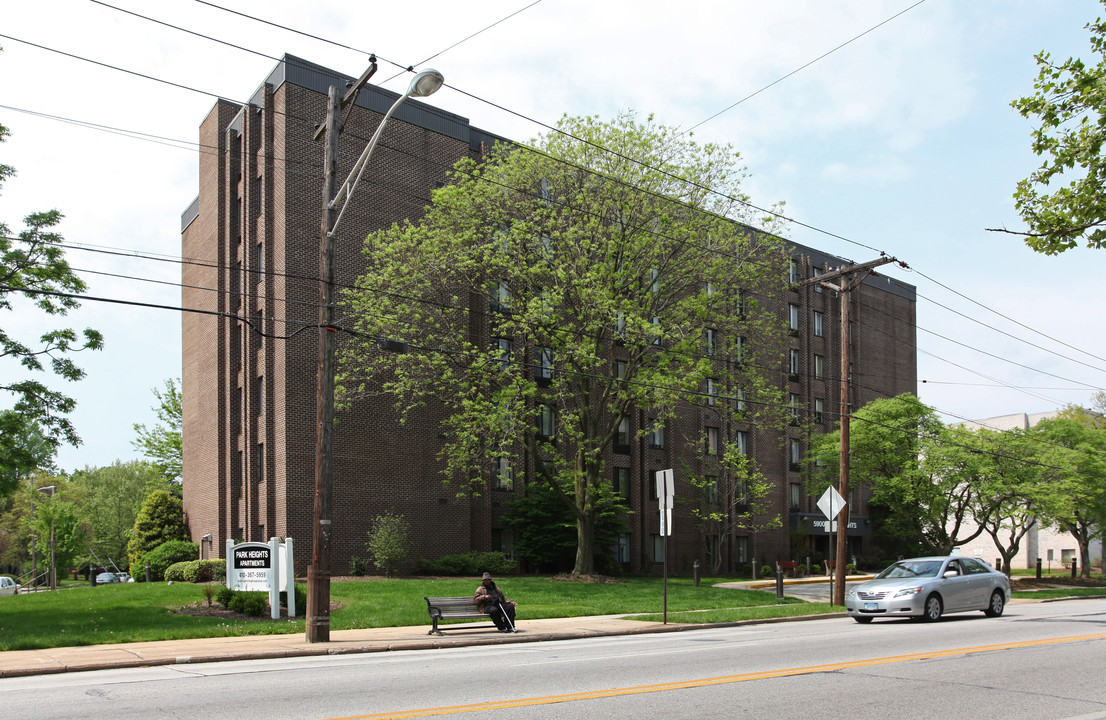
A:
929, 587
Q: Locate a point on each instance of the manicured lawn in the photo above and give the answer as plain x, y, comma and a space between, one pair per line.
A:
135, 612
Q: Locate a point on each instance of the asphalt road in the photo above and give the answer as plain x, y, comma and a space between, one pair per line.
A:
1040, 660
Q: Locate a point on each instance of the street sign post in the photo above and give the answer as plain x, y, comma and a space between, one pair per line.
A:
665, 493
831, 503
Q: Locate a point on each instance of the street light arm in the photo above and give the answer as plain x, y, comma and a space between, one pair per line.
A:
347, 188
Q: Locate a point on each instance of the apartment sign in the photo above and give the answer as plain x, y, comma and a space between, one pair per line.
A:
250, 567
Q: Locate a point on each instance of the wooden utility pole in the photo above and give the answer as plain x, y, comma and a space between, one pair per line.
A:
850, 278
318, 573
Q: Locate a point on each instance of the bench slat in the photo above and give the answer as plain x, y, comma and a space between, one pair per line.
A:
452, 608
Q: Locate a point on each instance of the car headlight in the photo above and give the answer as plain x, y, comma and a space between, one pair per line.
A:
907, 591
852, 594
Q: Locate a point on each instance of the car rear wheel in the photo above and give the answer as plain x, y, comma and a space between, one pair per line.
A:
862, 620
933, 608
997, 604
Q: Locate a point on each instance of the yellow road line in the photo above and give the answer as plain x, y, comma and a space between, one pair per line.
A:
723, 680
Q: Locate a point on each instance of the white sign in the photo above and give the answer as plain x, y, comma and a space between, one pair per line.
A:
260, 567
665, 492
831, 503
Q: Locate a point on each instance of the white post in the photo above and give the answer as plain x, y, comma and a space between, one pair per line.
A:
230, 559
290, 577
273, 577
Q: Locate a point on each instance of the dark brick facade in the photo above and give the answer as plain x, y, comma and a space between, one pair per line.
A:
249, 391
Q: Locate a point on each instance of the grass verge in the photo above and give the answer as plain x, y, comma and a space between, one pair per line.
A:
140, 612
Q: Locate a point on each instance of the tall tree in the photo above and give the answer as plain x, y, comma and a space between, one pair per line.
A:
595, 275
1007, 488
162, 443
110, 498
1075, 472
920, 476
24, 448
32, 264
160, 520
1064, 200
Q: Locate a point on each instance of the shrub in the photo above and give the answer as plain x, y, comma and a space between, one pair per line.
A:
254, 604
747, 570
223, 596
766, 571
177, 571
209, 592
816, 569
473, 563
164, 555
357, 566
850, 569
388, 542
301, 599
196, 571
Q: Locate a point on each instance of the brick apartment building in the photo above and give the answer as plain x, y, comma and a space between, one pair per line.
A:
251, 246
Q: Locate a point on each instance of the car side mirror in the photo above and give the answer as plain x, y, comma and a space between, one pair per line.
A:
951, 573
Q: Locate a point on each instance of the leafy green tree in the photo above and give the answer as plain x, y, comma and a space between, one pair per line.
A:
59, 517
389, 542
1007, 487
596, 276
110, 499
544, 530
160, 520
920, 477
32, 265
733, 498
1075, 479
24, 448
1064, 200
162, 443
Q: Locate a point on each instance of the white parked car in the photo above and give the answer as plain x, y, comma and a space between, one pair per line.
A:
106, 577
928, 588
8, 586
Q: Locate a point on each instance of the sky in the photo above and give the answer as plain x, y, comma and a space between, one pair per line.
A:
883, 125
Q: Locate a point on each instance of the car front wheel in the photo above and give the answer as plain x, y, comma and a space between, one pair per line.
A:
862, 620
997, 604
933, 609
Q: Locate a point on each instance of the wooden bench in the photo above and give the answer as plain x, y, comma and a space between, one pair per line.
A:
788, 566
453, 608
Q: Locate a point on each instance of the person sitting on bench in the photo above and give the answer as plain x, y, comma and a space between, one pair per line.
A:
491, 601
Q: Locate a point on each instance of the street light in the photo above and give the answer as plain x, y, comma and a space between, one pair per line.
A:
423, 84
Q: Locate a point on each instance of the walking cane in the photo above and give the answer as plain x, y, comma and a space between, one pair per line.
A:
506, 617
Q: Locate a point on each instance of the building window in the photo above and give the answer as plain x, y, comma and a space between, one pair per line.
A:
817, 273
711, 392
793, 317
622, 437
741, 494
260, 262
547, 422
708, 341
504, 542
796, 495
656, 434
502, 474
622, 549
621, 369
819, 366
741, 549
819, 410
543, 364
793, 454
503, 349
657, 542
710, 483
793, 363
620, 483
712, 441
739, 349
260, 477
739, 399
500, 296
793, 402
793, 271
818, 323
741, 442
259, 395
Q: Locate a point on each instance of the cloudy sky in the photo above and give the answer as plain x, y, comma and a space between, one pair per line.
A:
884, 125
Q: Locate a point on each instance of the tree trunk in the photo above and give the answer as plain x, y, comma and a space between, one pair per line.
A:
585, 542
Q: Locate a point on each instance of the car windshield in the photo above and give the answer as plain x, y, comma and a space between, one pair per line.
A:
912, 568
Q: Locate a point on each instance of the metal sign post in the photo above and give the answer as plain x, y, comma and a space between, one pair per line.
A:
665, 492
831, 503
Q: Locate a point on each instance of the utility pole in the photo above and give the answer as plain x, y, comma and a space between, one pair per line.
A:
850, 278
318, 573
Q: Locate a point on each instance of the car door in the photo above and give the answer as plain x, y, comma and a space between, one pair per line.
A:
955, 589
980, 585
